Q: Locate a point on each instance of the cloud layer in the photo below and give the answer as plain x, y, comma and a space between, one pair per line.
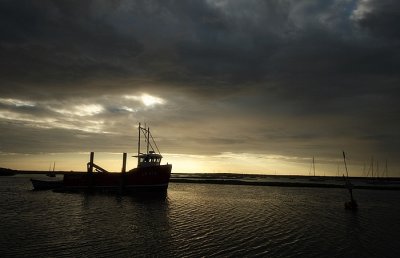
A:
291, 78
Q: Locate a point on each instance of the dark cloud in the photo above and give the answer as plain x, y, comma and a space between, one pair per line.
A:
59, 43
380, 17
305, 76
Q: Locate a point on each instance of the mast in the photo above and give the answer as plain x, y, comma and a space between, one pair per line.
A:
386, 170
352, 204
348, 182
313, 164
372, 166
345, 165
140, 128
364, 173
148, 138
377, 169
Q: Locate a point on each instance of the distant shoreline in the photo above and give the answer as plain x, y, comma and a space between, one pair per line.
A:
282, 184
220, 175
390, 183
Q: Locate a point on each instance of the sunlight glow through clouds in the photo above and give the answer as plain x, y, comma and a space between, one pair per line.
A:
90, 126
244, 163
69, 115
128, 109
48, 123
81, 110
17, 102
9, 115
146, 99
363, 7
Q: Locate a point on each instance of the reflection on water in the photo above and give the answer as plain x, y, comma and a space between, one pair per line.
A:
197, 220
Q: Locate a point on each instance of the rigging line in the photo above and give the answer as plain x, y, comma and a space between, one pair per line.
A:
144, 131
154, 143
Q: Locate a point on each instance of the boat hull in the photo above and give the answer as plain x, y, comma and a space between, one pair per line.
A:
46, 185
154, 178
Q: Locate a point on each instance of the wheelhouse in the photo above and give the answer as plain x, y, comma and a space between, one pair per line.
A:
149, 159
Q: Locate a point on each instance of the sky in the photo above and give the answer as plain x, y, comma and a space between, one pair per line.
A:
240, 86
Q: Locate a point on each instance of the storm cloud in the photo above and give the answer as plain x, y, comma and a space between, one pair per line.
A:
294, 78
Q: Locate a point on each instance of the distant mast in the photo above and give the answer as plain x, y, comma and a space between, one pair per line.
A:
138, 150
377, 169
372, 167
352, 204
386, 170
313, 163
345, 165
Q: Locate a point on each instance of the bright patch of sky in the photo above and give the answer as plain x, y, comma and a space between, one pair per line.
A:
9, 115
146, 99
128, 109
363, 7
82, 110
75, 114
17, 102
48, 123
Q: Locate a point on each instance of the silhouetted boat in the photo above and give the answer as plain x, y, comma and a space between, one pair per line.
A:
46, 184
315, 178
52, 174
352, 204
149, 175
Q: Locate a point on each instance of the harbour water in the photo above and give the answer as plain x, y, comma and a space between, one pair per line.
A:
195, 220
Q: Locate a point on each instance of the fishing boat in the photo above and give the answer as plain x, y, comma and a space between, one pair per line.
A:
149, 175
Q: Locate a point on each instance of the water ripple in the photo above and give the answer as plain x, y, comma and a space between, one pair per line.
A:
197, 221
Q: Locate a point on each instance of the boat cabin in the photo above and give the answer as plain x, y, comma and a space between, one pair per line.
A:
149, 159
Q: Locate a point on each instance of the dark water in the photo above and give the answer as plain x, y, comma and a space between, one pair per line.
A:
196, 220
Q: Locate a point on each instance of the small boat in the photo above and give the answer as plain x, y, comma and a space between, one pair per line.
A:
352, 204
52, 174
315, 178
46, 184
149, 175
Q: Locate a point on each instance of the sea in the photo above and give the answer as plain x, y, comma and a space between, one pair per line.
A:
198, 220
